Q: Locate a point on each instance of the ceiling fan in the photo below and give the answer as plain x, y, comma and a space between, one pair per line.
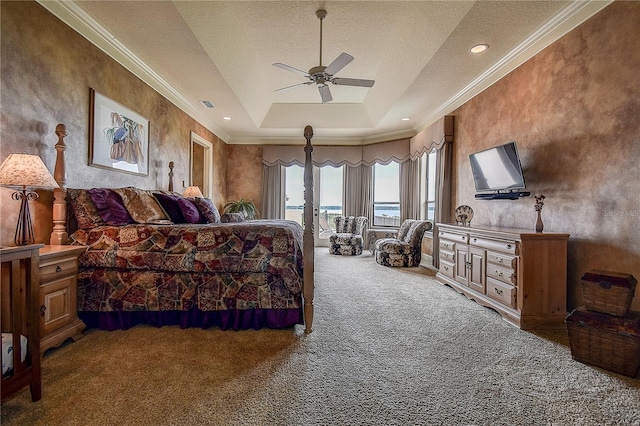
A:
322, 75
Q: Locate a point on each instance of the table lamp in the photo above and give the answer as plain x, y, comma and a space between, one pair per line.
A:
193, 191
26, 171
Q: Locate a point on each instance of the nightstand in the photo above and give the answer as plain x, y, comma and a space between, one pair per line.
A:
58, 295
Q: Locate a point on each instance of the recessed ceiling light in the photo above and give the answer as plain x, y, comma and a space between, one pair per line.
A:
226, 117
405, 118
479, 48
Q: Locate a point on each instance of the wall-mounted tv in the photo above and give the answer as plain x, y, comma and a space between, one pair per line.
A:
498, 171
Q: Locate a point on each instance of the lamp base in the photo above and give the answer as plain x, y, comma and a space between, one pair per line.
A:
24, 230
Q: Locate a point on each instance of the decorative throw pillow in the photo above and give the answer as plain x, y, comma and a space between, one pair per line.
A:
110, 207
232, 218
207, 208
190, 211
84, 209
170, 205
142, 206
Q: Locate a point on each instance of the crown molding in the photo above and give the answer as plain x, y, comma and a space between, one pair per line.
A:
577, 12
76, 18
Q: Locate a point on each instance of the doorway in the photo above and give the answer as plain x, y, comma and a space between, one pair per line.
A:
201, 164
327, 199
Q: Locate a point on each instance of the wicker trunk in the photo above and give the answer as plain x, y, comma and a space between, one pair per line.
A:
608, 292
606, 341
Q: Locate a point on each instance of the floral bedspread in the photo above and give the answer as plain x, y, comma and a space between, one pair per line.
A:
246, 265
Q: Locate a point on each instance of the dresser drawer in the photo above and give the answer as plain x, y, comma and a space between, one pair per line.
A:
58, 268
446, 268
447, 256
504, 274
509, 247
447, 245
458, 238
503, 293
503, 260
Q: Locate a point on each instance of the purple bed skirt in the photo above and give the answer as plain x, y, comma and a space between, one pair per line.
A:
232, 319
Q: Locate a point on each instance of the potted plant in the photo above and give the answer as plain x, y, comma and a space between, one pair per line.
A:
246, 207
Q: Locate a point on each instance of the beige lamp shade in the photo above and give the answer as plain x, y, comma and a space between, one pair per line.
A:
26, 170
193, 191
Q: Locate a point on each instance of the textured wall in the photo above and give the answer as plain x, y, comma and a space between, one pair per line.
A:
244, 173
47, 70
574, 110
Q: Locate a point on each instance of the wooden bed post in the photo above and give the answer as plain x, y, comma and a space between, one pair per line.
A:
308, 242
59, 236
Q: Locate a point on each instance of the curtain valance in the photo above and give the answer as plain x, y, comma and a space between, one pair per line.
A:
432, 137
399, 150
322, 155
336, 156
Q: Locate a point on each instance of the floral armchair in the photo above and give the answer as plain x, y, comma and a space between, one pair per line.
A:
348, 239
405, 250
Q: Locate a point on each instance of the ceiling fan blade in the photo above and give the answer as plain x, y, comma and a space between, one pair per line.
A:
295, 85
325, 93
338, 63
290, 68
352, 82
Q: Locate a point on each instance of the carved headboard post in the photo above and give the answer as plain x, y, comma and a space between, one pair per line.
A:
59, 236
308, 243
170, 175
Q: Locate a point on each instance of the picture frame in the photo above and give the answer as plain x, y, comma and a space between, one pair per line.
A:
118, 137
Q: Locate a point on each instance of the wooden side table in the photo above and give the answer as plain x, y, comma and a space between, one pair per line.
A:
58, 295
19, 301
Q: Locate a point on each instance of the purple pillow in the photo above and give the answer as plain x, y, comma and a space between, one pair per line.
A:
190, 212
207, 209
110, 206
169, 204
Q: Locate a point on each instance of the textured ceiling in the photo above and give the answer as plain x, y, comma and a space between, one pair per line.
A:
416, 51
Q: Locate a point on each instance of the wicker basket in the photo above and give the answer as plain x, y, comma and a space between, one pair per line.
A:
608, 292
605, 341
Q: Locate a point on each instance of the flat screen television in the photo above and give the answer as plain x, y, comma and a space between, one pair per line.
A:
498, 170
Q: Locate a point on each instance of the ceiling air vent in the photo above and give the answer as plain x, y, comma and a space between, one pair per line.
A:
208, 104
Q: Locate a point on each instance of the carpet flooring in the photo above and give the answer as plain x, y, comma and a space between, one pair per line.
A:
390, 346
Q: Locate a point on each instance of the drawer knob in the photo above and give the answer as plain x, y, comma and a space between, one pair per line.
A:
500, 260
42, 310
475, 239
58, 268
446, 268
509, 246
498, 273
498, 291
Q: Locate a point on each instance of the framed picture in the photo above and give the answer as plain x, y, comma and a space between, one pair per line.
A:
118, 137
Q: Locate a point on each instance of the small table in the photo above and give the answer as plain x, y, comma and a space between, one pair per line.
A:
58, 295
375, 234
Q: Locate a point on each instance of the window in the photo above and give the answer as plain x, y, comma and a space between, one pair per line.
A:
386, 194
429, 196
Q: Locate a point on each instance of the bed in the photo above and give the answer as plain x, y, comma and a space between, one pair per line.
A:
233, 275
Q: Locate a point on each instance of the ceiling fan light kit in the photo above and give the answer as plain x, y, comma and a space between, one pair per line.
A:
321, 75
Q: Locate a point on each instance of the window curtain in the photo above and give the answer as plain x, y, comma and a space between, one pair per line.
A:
357, 188
442, 211
273, 189
410, 190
